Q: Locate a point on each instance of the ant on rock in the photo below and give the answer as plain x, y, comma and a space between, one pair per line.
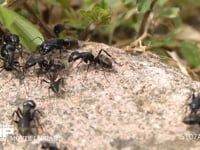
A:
26, 117
88, 57
42, 62
57, 43
8, 52
8, 56
52, 74
51, 146
194, 116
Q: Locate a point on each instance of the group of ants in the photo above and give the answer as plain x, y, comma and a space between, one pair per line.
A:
28, 117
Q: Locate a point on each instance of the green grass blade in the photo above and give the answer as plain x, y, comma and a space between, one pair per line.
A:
29, 35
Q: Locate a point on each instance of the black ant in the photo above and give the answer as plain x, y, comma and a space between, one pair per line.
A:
88, 57
52, 76
54, 68
49, 146
12, 39
54, 83
57, 43
195, 104
7, 50
58, 29
26, 116
42, 62
64, 30
193, 117
9, 38
8, 57
11, 42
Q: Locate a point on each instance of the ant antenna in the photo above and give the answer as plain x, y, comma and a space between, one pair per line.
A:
37, 38
102, 50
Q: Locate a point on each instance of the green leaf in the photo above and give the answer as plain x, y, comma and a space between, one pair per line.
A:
63, 3
75, 20
113, 3
97, 16
2, 1
29, 35
143, 5
102, 4
191, 53
161, 3
127, 1
170, 12
171, 34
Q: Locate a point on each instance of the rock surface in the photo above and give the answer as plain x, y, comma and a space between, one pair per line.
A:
139, 104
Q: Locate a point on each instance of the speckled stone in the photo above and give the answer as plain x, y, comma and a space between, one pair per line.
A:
139, 104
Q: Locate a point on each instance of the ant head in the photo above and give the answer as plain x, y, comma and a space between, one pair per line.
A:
45, 62
39, 48
102, 50
29, 103
58, 29
12, 39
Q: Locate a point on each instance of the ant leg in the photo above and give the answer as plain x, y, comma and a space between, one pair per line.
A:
16, 121
108, 55
15, 112
55, 86
35, 117
37, 111
25, 87
39, 72
49, 91
2, 66
43, 80
105, 77
79, 63
61, 81
18, 112
20, 69
89, 66
102, 50
60, 53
